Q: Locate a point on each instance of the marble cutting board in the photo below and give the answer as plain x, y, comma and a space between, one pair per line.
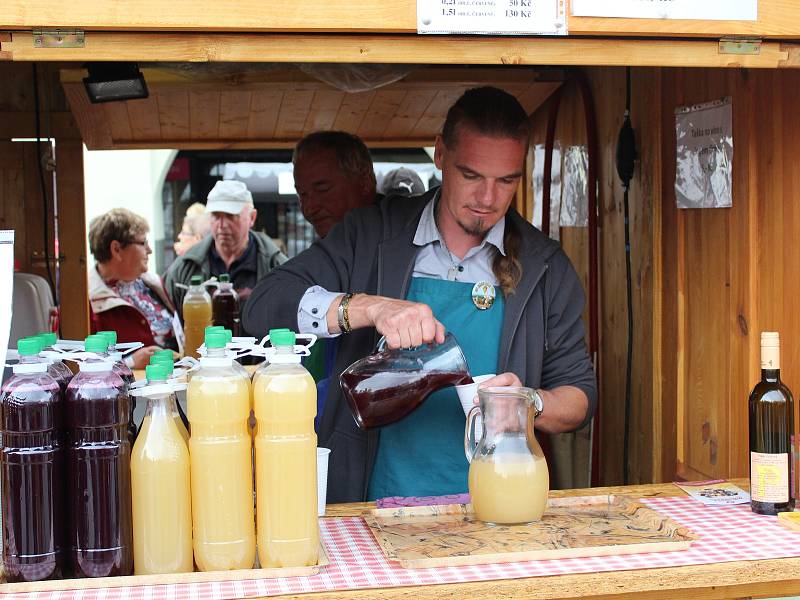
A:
431, 536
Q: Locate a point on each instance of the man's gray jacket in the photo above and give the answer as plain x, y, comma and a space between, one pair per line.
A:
372, 251
196, 261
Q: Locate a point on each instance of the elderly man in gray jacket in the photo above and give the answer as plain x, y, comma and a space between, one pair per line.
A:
460, 259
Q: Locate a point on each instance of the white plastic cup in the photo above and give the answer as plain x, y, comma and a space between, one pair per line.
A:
322, 479
468, 391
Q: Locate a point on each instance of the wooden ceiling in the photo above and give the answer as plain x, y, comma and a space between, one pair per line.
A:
211, 107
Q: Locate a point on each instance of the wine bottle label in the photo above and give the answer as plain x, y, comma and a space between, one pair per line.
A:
769, 477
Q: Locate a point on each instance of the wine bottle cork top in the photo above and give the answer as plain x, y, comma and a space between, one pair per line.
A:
770, 338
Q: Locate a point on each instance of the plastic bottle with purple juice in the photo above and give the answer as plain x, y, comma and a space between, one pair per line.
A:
98, 469
32, 470
124, 371
57, 369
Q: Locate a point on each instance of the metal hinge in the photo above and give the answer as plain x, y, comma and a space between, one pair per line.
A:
734, 45
58, 38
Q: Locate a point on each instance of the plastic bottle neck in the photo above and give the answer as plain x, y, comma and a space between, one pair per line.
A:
284, 355
160, 404
216, 357
97, 366
30, 364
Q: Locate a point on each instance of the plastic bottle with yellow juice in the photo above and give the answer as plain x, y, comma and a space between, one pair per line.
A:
286, 459
221, 462
160, 482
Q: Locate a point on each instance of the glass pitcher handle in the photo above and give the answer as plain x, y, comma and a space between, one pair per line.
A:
470, 443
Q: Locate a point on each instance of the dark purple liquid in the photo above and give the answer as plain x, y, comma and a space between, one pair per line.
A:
380, 398
98, 466
121, 369
225, 310
32, 472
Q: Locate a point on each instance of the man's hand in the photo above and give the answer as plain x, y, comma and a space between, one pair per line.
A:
404, 324
502, 380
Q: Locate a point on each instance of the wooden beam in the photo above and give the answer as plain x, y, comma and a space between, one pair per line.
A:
775, 18
254, 144
451, 50
72, 242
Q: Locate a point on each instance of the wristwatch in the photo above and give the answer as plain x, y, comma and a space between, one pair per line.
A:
538, 405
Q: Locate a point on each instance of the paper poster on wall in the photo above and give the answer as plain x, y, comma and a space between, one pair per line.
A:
6, 292
706, 10
704, 155
492, 17
575, 188
555, 188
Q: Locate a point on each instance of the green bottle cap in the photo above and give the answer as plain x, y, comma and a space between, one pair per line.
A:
155, 373
216, 339
163, 354
48, 338
196, 280
96, 343
214, 329
224, 278
228, 333
29, 346
284, 337
111, 337
162, 362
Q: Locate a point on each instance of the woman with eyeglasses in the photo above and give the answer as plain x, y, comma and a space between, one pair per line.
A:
123, 296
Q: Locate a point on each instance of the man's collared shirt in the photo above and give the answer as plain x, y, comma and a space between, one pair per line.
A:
243, 270
433, 260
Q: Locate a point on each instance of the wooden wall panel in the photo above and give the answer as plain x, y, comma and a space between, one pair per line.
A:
706, 281
776, 169
72, 224
12, 197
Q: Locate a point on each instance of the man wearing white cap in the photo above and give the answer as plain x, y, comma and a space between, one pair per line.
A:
230, 248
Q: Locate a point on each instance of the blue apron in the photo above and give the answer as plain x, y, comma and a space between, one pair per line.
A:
423, 454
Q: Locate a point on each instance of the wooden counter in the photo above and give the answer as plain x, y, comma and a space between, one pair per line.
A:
777, 577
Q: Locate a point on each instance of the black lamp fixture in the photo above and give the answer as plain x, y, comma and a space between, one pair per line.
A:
113, 81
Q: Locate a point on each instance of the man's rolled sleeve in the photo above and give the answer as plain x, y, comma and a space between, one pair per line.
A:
312, 311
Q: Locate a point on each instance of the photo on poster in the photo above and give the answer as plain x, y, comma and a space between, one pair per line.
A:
704, 155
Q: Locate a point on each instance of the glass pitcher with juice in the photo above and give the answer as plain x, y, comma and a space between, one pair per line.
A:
225, 305
386, 386
508, 478
99, 468
196, 315
221, 463
162, 506
286, 459
32, 470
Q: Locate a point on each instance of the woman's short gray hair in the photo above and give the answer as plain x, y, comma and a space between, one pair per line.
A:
118, 224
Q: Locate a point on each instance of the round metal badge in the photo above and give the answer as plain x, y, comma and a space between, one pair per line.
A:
483, 295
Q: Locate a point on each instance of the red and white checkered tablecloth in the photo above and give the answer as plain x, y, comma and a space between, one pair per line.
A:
726, 534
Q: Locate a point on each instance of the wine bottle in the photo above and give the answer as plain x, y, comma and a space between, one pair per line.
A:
771, 435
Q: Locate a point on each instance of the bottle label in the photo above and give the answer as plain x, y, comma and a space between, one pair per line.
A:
770, 357
769, 477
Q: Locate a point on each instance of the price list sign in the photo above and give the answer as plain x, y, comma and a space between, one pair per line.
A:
492, 17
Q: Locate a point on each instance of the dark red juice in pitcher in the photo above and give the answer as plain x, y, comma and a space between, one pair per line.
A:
98, 466
32, 471
379, 398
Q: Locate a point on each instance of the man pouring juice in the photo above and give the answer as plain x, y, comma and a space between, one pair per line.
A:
457, 259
